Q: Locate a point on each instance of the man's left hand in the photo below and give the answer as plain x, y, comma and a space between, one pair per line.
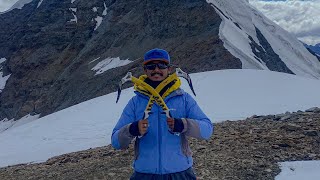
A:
170, 122
175, 124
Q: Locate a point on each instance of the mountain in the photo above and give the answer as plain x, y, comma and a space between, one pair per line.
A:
19, 5
314, 49
61, 53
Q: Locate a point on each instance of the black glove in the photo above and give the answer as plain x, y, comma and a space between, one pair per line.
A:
134, 129
178, 125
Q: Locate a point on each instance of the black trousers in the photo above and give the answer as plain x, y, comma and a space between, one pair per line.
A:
183, 175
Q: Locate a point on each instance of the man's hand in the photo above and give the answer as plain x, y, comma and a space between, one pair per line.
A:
143, 126
175, 124
170, 122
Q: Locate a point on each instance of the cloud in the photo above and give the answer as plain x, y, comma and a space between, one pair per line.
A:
6, 4
300, 17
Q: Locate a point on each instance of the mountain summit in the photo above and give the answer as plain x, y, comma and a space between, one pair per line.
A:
315, 49
60, 53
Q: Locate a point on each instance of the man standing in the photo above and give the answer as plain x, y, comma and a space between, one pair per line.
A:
161, 147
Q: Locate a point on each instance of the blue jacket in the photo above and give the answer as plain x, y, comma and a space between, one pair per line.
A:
159, 151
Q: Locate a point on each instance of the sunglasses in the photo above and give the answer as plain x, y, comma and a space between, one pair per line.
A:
153, 66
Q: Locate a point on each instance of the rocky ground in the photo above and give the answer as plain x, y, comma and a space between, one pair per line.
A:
246, 149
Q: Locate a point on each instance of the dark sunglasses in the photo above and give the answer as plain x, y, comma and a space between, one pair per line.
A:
153, 66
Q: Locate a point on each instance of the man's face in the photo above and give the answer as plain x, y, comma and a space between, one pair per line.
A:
157, 70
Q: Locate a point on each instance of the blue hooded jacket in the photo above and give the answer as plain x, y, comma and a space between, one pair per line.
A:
159, 151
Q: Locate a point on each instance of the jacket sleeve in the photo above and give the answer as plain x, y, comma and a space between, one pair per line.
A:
121, 136
196, 123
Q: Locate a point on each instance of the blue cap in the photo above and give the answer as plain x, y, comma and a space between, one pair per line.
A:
157, 55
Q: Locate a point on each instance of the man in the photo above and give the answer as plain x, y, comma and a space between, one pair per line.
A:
161, 147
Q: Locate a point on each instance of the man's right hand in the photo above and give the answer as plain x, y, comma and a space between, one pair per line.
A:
143, 126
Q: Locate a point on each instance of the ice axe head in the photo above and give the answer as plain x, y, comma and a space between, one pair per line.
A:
186, 76
123, 81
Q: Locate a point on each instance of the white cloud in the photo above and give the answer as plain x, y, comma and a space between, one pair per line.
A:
296, 16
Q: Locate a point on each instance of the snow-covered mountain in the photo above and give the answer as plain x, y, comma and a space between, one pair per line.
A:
249, 35
59, 53
18, 5
314, 48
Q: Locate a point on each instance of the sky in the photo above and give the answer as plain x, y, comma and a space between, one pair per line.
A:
300, 17
222, 95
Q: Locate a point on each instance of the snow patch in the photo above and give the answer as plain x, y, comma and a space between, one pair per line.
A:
94, 9
297, 170
73, 9
3, 81
75, 19
39, 3
2, 60
109, 63
98, 20
6, 124
72, 1
94, 60
105, 9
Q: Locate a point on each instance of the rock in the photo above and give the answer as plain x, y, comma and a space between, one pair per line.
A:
291, 127
201, 147
310, 132
286, 117
314, 109
284, 145
277, 118
268, 170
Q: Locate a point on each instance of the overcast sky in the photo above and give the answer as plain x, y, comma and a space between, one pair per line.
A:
300, 17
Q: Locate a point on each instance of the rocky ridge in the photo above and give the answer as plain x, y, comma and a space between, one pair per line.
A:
247, 149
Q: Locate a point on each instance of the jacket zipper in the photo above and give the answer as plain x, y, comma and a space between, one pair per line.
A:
159, 133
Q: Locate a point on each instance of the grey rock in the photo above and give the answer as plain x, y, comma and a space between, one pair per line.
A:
310, 132
291, 127
314, 109
286, 117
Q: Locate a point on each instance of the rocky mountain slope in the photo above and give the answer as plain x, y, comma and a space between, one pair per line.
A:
246, 149
48, 55
51, 46
315, 50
